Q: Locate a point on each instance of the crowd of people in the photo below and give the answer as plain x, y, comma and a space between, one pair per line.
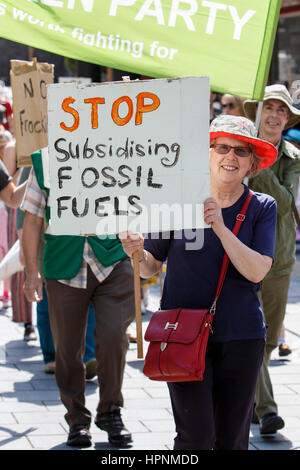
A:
83, 291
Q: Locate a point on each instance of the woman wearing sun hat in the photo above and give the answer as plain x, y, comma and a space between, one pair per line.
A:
216, 412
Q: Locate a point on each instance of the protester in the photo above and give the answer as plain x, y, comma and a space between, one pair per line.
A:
79, 270
21, 308
43, 322
12, 196
5, 137
3, 251
213, 109
281, 181
293, 136
232, 105
216, 412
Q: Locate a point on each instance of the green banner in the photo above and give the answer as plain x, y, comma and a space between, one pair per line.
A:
231, 41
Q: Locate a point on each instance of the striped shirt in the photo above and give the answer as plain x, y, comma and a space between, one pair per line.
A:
35, 202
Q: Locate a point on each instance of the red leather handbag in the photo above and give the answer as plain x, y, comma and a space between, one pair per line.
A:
178, 337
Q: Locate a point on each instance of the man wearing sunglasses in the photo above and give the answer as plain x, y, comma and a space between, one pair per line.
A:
232, 105
281, 180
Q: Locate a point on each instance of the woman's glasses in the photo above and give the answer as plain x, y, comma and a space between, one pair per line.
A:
223, 149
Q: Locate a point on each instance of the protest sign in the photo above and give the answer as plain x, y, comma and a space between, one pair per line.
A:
128, 155
29, 81
229, 40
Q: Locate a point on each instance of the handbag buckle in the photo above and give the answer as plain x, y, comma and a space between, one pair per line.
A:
210, 327
213, 307
240, 217
171, 325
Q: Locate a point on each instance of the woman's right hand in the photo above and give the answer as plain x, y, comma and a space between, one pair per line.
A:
132, 242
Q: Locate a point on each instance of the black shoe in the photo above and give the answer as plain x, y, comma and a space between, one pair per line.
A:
270, 423
112, 423
29, 333
79, 436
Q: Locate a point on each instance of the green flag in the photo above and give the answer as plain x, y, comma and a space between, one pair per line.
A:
229, 40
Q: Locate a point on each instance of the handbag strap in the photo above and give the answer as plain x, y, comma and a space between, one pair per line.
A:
239, 220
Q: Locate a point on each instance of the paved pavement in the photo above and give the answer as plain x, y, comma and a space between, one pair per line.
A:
32, 416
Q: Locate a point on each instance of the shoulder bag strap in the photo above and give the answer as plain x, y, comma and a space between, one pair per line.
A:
239, 220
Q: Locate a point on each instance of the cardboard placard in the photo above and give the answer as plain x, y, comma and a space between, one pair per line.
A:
29, 81
128, 155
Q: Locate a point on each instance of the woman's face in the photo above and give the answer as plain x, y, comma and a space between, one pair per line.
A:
229, 167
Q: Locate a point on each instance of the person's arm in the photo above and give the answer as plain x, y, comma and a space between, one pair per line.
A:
12, 195
135, 242
267, 182
251, 264
10, 157
16, 177
11, 126
33, 286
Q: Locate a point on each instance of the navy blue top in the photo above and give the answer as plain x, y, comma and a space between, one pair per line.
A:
192, 275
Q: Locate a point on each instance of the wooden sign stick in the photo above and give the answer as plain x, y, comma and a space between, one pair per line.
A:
137, 291
137, 296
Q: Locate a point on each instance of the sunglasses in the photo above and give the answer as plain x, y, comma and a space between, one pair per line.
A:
223, 149
228, 105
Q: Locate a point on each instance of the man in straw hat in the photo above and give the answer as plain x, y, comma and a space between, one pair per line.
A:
281, 181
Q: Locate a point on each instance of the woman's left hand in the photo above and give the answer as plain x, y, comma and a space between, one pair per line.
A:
213, 215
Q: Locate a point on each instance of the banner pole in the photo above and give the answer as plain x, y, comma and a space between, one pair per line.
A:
258, 115
137, 298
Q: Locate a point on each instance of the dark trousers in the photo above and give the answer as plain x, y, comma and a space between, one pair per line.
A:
216, 413
113, 302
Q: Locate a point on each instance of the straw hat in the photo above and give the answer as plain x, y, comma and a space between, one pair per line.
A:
275, 92
243, 129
